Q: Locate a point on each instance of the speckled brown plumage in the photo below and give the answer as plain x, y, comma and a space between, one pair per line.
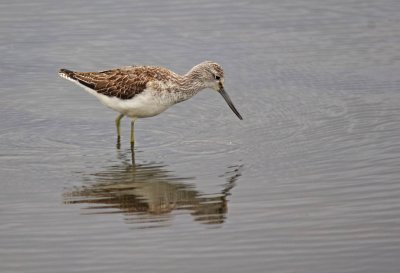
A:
123, 83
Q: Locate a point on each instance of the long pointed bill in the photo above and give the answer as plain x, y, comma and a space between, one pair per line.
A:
228, 101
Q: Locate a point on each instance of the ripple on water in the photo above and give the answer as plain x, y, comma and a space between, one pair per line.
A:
156, 139
198, 148
27, 141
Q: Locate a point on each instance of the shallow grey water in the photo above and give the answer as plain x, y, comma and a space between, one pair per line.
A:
307, 182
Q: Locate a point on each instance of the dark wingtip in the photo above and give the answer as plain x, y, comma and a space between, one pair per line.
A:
63, 70
69, 74
66, 72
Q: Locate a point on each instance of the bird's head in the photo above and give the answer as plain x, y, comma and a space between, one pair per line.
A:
212, 76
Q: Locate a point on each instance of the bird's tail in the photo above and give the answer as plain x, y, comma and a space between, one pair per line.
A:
67, 74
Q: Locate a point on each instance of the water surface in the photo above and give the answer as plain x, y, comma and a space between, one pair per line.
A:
307, 182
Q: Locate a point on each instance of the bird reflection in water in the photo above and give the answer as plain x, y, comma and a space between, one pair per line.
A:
149, 195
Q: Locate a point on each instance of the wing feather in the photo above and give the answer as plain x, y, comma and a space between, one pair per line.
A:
123, 83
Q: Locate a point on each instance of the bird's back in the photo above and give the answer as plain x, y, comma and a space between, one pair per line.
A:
123, 83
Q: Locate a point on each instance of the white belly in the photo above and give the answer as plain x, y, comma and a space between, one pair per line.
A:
142, 105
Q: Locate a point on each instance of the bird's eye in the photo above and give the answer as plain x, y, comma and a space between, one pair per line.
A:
217, 77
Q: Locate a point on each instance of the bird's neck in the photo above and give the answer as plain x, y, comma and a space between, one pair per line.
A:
189, 85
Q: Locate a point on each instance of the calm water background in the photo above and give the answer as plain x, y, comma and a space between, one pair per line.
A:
307, 182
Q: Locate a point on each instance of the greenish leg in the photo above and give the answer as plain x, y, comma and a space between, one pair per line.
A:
132, 132
133, 140
133, 154
117, 124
